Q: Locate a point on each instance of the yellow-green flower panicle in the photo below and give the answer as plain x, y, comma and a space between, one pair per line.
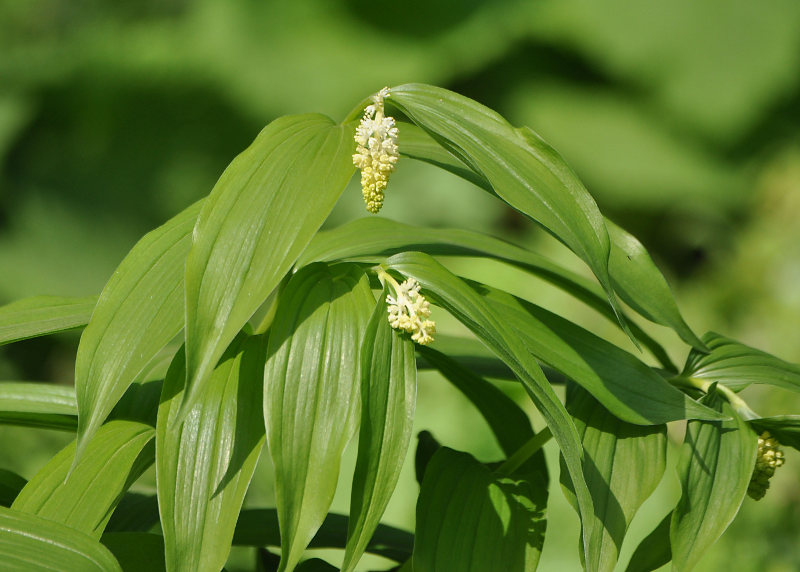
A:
376, 151
409, 311
768, 458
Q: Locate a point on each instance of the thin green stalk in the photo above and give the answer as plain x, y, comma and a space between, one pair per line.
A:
525, 452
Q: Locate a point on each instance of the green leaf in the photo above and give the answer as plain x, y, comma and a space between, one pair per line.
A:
136, 551
43, 315
654, 551
785, 428
736, 365
316, 565
471, 520
427, 445
623, 465
135, 512
204, 465
388, 403
715, 468
257, 220
471, 309
522, 169
10, 485
33, 404
83, 498
32, 543
622, 383
311, 393
470, 354
138, 313
259, 527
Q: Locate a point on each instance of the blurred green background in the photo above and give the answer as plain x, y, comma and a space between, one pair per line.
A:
681, 117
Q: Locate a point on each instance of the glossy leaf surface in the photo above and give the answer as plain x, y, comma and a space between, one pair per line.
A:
43, 315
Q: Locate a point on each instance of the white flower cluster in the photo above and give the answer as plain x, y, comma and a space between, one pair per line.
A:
409, 310
768, 458
376, 151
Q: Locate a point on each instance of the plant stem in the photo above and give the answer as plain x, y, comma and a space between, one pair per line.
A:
525, 452
738, 404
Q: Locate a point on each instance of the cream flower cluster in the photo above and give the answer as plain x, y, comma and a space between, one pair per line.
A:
409, 311
768, 458
376, 151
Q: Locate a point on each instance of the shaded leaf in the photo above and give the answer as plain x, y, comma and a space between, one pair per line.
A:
388, 403
136, 551
135, 512
427, 446
204, 465
654, 551
785, 428
10, 485
34, 404
43, 315
257, 220
29, 542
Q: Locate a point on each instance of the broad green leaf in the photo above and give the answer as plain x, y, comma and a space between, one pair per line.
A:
43, 315
204, 465
136, 551
135, 512
471, 520
257, 220
654, 551
470, 354
471, 309
34, 404
624, 385
715, 467
388, 403
311, 400
379, 237
138, 313
736, 365
32, 543
259, 527
316, 565
785, 428
623, 465
10, 485
522, 169
84, 497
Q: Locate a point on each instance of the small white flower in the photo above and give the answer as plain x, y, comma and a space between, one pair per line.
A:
409, 310
376, 151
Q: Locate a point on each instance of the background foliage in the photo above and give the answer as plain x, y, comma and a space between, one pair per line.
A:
680, 117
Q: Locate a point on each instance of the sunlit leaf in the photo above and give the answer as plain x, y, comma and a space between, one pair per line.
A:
43, 315
29, 542
388, 403
264, 209
33, 404
204, 465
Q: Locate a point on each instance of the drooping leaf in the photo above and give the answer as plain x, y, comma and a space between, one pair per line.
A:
471, 520
470, 354
785, 428
84, 498
427, 445
204, 465
257, 220
623, 465
311, 400
654, 551
736, 365
135, 512
471, 309
259, 527
388, 402
715, 468
43, 315
136, 551
10, 485
29, 542
33, 404
138, 313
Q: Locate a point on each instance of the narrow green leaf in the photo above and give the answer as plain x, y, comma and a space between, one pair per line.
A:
138, 313
427, 445
471, 520
204, 465
471, 309
259, 527
43, 315
29, 542
136, 551
84, 497
623, 465
33, 404
311, 393
654, 551
736, 365
10, 485
715, 467
257, 220
785, 428
388, 402
522, 169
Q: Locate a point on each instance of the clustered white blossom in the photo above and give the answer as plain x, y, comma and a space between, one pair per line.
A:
376, 151
409, 310
768, 458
